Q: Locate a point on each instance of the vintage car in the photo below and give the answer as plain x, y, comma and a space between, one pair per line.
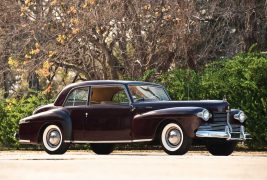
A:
105, 112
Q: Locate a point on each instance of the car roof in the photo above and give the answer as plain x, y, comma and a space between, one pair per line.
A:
103, 82
62, 95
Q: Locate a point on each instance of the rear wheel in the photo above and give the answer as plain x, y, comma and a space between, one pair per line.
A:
174, 141
102, 149
53, 142
221, 148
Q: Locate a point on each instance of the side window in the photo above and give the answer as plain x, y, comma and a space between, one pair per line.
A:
108, 95
120, 98
78, 97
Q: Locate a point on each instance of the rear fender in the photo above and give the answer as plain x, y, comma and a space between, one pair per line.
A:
32, 126
145, 125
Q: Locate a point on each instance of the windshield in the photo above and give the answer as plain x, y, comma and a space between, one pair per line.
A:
148, 93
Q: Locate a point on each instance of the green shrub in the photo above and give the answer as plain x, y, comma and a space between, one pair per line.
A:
243, 80
181, 84
12, 110
2, 120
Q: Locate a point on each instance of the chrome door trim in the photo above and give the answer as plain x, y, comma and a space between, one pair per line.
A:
118, 141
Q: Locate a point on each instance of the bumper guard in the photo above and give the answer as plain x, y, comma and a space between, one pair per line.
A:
227, 134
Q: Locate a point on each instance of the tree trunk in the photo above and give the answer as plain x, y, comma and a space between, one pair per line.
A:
33, 81
5, 84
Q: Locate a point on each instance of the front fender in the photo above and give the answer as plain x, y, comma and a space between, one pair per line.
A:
145, 125
31, 127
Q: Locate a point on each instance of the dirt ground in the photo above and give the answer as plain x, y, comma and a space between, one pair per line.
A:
132, 165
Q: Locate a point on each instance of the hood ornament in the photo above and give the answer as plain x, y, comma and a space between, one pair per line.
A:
224, 98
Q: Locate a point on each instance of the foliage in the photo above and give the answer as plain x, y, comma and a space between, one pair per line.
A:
181, 84
243, 80
11, 111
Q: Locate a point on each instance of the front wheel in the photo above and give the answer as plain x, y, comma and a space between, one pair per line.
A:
221, 148
102, 149
174, 141
53, 142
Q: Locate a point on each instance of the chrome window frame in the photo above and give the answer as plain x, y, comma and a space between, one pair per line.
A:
73, 89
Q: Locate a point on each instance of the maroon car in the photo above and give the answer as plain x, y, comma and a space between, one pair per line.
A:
104, 113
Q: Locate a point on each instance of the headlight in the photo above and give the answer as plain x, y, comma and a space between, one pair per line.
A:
240, 116
205, 115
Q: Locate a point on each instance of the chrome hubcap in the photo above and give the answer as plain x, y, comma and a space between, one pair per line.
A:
54, 138
174, 137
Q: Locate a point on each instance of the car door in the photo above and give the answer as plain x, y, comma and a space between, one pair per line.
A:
77, 104
109, 114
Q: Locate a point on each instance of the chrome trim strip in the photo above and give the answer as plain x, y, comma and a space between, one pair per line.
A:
119, 141
24, 141
23, 121
142, 140
228, 120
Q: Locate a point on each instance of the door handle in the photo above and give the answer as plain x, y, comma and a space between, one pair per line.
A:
132, 108
86, 114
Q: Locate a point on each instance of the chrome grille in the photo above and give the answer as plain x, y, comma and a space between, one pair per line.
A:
218, 123
219, 117
212, 127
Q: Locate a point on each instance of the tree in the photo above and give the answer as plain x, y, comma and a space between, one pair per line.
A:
52, 43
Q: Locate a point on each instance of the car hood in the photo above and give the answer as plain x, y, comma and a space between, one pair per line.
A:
211, 105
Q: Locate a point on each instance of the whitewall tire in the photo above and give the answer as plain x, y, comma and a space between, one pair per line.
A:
173, 139
53, 141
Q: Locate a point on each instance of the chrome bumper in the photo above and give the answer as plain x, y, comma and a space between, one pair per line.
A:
227, 134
